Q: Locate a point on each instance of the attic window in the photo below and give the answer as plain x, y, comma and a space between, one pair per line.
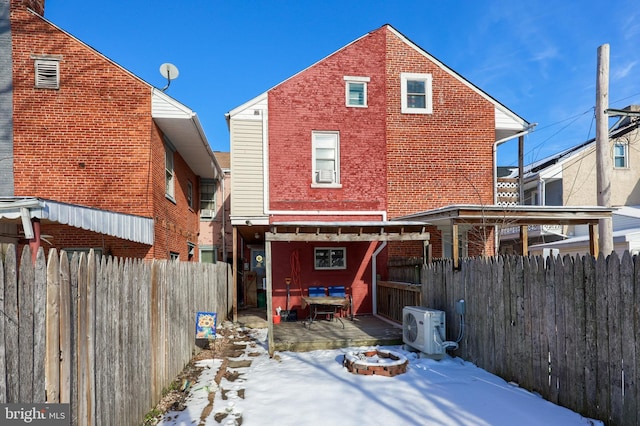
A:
47, 73
416, 93
356, 91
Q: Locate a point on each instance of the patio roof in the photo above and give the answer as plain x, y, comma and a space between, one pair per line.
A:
348, 231
345, 231
522, 216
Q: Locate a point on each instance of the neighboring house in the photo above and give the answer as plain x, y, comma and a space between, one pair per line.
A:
569, 179
626, 237
375, 131
215, 225
91, 156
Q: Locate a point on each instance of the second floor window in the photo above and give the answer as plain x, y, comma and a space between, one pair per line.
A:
169, 172
326, 158
620, 156
190, 194
207, 199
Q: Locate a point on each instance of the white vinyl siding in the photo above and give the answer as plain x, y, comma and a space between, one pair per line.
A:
247, 178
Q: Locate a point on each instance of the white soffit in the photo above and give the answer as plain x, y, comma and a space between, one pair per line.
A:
128, 227
182, 127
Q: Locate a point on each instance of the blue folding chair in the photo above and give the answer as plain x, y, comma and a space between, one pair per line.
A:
317, 292
340, 291
337, 291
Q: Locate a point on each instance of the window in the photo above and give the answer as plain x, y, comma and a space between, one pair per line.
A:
191, 250
208, 254
169, 173
356, 91
330, 258
190, 194
207, 199
326, 158
416, 93
620, 157
47, 74
174, 256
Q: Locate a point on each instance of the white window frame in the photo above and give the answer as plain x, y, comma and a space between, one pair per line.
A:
208, 214
349, 80
208, 249
169, 172
47, 73
405, 77
624, 156
331, 251
317, 180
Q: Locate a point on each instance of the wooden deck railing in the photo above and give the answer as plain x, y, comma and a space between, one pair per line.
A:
393, 296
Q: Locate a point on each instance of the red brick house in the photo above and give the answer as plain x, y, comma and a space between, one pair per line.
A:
91, 155
378, 130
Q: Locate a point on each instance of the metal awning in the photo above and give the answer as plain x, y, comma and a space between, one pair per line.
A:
128, 227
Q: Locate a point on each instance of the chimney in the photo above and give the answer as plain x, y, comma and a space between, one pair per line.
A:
36, 5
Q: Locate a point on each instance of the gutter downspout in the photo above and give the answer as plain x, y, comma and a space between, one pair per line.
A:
374, 280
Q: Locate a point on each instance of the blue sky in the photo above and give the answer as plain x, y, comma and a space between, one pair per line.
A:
537, 57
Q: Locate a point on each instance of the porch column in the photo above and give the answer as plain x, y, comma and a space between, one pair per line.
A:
454, 249
234, 270
267, 271
524, 239
593, 239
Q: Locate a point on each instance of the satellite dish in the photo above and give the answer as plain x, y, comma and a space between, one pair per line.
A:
170, 72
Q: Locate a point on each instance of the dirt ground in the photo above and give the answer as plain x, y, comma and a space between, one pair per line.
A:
226, 346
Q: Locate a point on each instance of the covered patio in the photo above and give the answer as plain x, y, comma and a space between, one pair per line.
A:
364, 329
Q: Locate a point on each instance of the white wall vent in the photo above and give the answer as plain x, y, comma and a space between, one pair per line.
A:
47, 74
424, 329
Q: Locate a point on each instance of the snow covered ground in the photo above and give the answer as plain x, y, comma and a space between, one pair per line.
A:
313, 388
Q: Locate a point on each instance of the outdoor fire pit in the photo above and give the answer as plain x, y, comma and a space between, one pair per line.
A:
376, 361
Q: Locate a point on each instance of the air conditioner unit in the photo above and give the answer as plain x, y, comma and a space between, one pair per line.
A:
325, 176
424, 329
206, 213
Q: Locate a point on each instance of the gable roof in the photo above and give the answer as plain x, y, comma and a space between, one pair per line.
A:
508, 123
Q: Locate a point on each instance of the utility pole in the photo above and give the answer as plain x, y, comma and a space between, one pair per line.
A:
603, 153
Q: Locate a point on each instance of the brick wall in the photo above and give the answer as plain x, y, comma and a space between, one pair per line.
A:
437, 159
93, 142
315, 100
441, 158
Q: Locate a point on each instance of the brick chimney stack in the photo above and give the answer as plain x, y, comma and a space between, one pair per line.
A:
36, 5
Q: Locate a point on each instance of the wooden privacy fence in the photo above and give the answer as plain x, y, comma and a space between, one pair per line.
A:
566, 328
105, 335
